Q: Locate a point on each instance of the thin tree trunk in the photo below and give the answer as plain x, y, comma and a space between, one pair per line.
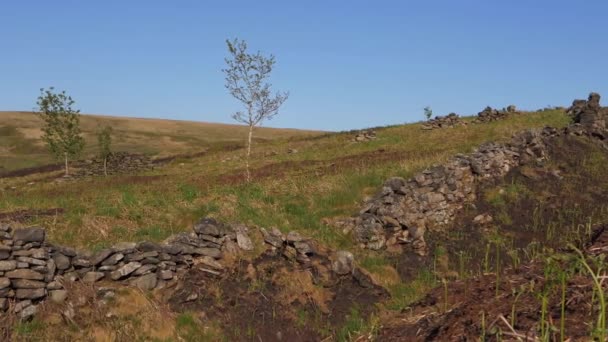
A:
67, 171
105, 166
248, 153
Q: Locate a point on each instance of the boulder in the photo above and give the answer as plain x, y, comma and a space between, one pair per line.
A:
343, 263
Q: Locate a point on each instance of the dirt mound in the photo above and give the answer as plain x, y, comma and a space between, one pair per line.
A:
546, 300
271, 299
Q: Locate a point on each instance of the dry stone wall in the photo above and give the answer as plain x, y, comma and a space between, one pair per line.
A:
32, 269
119, 162
450, 120
404, 210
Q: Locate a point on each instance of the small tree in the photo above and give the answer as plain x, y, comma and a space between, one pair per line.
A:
104, 138
246, 80
428, 112
61, 130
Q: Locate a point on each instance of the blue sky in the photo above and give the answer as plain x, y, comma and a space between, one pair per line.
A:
347, 64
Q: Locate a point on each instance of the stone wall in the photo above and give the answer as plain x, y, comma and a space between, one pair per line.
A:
450, 120
490, 114
119, 162
32, 269
404, 210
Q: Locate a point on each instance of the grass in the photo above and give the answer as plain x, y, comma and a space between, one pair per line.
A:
21, 147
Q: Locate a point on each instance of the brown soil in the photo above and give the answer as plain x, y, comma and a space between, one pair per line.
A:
476, 310
273, 299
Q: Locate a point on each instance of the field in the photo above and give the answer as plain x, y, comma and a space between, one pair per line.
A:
304, 181
21, 147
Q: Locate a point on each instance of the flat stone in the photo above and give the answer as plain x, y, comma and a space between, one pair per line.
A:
113, 260
145, 282
58, 296
145, 269
244, 242
211, 252
125, 270
100, 256
27, 284
293, 236
24, 273
80, 261
91, 277
124, 247
32, 261
33, 234
30, 293
7, 265
4, 282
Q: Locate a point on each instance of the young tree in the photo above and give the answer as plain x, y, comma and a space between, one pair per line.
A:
61, 130
246, 80
104, 138
428, 112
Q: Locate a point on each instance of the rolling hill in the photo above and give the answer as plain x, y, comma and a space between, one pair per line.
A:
21, 147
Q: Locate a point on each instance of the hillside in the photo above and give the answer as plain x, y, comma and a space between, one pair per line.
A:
20, 144
343, 236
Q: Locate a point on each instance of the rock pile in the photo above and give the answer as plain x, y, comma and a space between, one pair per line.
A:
365, 136
589, 114
489, 114
32, 269
119, 162
450, 120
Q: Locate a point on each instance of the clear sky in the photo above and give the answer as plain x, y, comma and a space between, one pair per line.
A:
347, 64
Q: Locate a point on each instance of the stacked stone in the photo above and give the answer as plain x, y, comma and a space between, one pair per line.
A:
119, 162
589, 114
31, 269
448, 121
365, 136
292, 246
489, 114
404, 209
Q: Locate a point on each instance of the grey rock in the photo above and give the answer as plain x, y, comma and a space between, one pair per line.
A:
208, 261
3, 304
244, 242
7, 265
33, 234
125, 270
54, 285
113, 260
28, 312
146, 246
343, 263
92, 277
210, 226
211, 252
58, 296
303, 247
100, 256
166, 275
124, 247
293, 236
273, 238
4, 283
145, 269
30, 293
22, 305
61, 261
32, 261
27, 284
24, 273
145, 282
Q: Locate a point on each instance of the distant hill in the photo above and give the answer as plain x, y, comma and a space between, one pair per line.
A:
20, 144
